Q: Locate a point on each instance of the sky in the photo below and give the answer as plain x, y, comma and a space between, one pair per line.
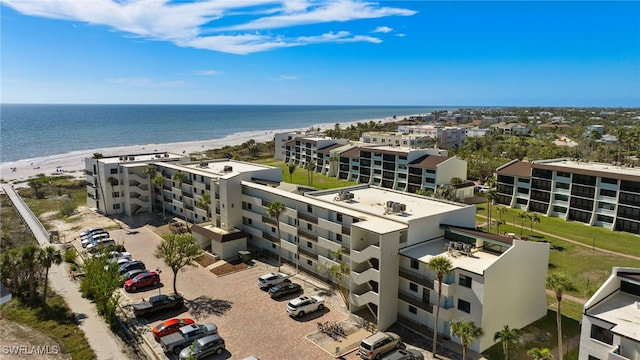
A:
329, 52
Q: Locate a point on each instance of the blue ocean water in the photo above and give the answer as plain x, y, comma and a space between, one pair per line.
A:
29, 131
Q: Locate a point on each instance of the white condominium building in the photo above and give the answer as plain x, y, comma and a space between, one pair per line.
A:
611, 319
592, 193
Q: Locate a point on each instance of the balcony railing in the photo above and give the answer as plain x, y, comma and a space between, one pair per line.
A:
307, 218
270, 237
308, 236
415, 301
268, 220
416, 278
307, 253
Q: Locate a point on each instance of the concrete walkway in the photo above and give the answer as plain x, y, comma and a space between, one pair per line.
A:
100, 337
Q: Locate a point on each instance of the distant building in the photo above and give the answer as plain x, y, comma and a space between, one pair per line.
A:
397, 139
565, 141
611, 318
281, 139
446, 136
511, 128
592, 193
477, 132
593, 128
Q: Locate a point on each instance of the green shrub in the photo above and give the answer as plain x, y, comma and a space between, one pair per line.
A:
70, 255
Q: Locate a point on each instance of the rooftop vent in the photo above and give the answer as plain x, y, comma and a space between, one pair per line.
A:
393, 207
204, 164
344, 195
227, 168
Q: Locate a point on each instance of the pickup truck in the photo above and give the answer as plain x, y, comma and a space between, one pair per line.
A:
158, 303
186, 336
266, 281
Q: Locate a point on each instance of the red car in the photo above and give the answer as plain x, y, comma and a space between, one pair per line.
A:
142, 280
170, 326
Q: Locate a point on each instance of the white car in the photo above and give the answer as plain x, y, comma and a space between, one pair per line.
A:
268, 280
304, 305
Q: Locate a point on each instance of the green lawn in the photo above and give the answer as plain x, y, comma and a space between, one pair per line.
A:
300, 176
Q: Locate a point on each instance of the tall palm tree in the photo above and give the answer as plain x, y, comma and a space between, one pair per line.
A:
523, 215
492, 196
339, 273
506, 336
540, 354
158, 180
291, 167
180, 177
47, 257
205, 203
533, 218
559, 283
501, 209
498, 224
275, 209
466, 331
311, 166
442, 266
150, 171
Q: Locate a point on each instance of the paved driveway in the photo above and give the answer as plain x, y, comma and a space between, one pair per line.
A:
247, 318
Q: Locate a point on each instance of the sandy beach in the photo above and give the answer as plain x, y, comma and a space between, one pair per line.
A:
72, 163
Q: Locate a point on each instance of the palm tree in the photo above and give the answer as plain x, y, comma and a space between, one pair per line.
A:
180, 177
533, 218
158, 180
492, 196
442, 266
291, 167
500, 209
456, 181
506, 336
205, 203
150, 171
311, 165
540, 354
339, 273
275, 209
445, 192
498, 224
424, 192
559, 283
47, 257
466, 331
523, 215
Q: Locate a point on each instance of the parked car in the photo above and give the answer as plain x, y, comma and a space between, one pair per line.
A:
132, 265
378, 344
170, 326
268, 280
283, 289
90, 231
186, 336
142, 280
133, 273
304, 305
210, 344
158, 303
90, 239
407, 354
100, 244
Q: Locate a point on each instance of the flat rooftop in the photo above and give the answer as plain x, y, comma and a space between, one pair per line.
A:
590, 166
374, 200
147, 157
476, 263
622, 310
219, 168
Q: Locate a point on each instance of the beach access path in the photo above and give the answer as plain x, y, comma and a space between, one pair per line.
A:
100, 337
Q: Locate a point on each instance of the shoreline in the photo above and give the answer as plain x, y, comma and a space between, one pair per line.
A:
72, 163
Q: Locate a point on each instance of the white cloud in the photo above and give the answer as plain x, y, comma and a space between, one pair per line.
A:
288, 77
207, 72
145, 82
383, 29
205, 23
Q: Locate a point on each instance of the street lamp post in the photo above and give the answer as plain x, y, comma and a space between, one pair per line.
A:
159, 287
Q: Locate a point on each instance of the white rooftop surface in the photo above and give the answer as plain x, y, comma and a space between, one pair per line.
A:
373, 200
594, 167
380, 226
476, 263
140, 158
620, 309
216, 168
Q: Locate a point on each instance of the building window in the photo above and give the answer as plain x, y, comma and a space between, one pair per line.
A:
309, 227
309, 262
116, 206
273, 245
273, 229
339, 217
591, 357
601, 334
249, 206
339, 237
413, 310
464, 306
115, 194
561, 185
309, 208
464, 281
415, 264
309, 244
413, 287
114, 171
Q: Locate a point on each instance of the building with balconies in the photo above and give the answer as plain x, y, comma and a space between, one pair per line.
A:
611, 318
592, 193
397, 139
303, 150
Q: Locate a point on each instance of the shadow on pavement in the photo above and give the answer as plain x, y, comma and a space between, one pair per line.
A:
203, 306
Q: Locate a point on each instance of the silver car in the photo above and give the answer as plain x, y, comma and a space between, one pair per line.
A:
211, 344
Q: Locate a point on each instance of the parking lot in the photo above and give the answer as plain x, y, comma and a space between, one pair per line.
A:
250, 322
